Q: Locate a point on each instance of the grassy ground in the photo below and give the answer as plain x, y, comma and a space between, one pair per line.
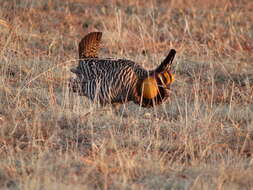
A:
201, 139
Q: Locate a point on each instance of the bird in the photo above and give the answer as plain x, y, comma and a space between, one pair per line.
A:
118, 81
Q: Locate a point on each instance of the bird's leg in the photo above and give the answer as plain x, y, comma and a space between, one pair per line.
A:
118, 109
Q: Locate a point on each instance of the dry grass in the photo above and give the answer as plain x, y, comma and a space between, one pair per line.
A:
201, 139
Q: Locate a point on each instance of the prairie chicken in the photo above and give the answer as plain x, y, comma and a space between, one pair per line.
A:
110, 81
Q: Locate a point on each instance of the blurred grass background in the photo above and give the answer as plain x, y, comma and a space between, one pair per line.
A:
201, 139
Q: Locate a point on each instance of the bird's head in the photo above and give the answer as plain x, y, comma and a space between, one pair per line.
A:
164, 79
152, 85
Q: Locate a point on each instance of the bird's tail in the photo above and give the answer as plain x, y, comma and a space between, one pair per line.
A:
89, 45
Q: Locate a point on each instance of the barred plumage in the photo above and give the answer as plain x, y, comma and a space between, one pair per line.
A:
89, 45
109, 81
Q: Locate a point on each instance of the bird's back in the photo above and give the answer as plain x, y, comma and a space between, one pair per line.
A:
108, 80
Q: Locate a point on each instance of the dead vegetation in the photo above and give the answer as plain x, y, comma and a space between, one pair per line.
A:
201, 139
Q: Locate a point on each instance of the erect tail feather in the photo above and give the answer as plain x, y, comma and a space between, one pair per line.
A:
165, 65
89, 45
